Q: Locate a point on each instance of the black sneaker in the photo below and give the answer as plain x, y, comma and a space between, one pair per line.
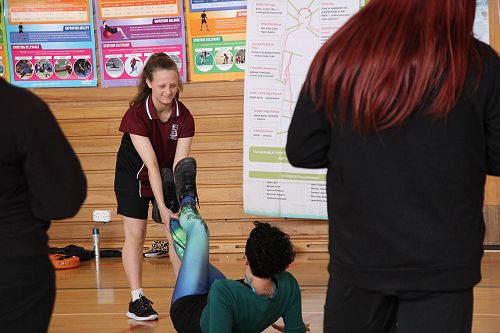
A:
169, 195
185, 178
141, 309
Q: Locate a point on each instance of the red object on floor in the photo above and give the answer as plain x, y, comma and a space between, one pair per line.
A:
62, 261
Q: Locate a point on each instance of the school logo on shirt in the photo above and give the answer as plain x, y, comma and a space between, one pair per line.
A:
173, 132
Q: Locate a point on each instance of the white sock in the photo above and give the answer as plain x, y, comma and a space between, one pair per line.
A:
137, 293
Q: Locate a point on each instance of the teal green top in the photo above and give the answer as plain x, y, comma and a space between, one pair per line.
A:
233, 307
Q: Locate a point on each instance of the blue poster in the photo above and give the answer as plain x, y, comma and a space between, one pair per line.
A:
51, 43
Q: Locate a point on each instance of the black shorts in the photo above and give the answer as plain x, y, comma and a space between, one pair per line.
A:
133, 205
112, 30
186, 313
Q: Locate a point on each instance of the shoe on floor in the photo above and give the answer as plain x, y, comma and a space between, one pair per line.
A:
158, 249
141, 309
155, 254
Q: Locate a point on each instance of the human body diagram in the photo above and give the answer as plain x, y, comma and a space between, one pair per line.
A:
300, 45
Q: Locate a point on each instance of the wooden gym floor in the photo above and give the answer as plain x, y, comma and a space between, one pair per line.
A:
94, 298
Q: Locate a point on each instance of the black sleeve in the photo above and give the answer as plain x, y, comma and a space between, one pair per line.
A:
493, 117
308, 135
55, 178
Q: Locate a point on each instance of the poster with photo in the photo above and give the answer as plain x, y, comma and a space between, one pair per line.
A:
482, 22
131, 31
51, 43
4, 67
282, 38
216, 37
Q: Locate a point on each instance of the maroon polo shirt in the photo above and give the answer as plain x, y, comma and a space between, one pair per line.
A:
131, 173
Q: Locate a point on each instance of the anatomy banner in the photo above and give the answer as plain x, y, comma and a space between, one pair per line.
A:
282, 38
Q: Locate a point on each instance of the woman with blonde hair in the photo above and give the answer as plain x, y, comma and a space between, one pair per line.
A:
157, 133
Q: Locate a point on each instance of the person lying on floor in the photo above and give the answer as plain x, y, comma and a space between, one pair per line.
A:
203, 299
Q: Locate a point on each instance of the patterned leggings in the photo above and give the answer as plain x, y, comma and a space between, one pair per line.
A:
190, 236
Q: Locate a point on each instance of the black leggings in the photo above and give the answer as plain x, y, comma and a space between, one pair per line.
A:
27, 286
353, 310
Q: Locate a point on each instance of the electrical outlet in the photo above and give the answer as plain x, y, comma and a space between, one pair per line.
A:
101, 215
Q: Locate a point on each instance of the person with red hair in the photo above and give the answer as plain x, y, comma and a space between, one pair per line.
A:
402, 105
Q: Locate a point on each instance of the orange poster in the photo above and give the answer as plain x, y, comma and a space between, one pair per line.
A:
216, 36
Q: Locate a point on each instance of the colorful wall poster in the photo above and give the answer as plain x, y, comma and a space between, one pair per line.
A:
282, 38
216, 38
4, 67
51, 43
481, 23
131, 31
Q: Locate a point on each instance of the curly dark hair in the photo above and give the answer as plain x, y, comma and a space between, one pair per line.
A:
269, 250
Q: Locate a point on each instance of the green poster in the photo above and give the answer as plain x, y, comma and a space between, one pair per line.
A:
4, 68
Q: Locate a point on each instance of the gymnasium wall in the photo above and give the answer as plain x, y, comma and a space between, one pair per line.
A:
90, 118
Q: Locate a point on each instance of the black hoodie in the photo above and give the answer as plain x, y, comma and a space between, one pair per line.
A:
405, 205
40, 176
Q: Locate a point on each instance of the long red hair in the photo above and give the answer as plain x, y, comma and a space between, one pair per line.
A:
393, 58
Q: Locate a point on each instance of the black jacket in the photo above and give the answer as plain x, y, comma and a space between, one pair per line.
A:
405, 206
40, 176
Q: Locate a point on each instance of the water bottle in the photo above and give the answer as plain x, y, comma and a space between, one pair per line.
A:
97, 249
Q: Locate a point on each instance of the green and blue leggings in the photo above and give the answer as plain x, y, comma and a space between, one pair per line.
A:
190, 236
